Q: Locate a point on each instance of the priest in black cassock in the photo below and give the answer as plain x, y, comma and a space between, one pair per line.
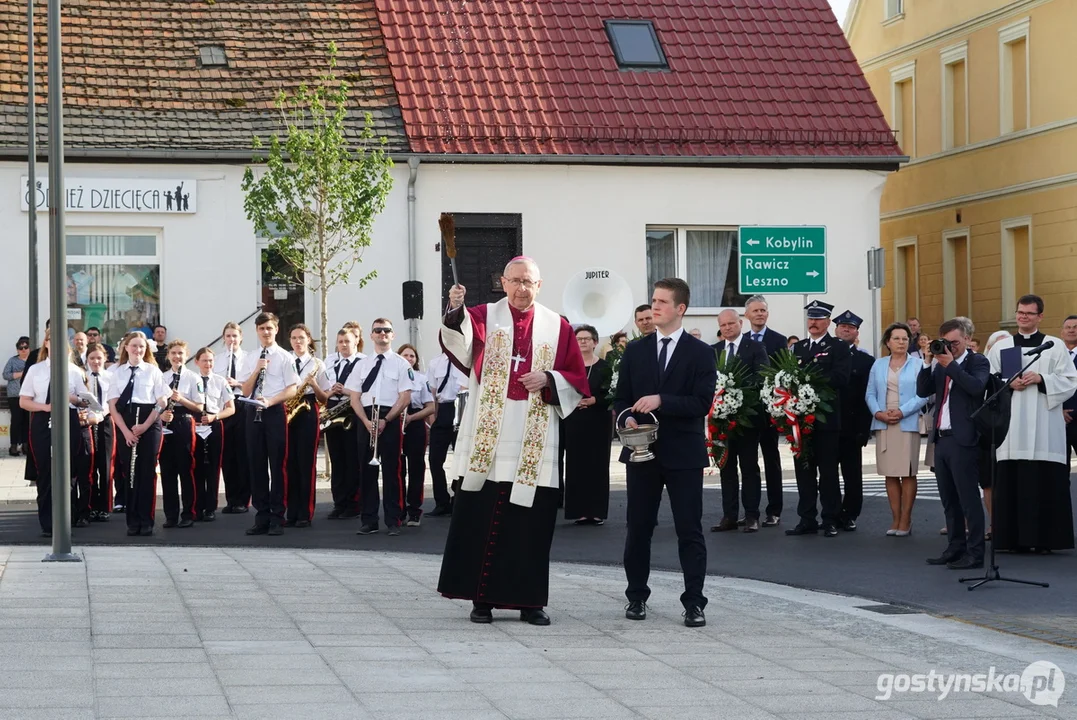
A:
1033, 510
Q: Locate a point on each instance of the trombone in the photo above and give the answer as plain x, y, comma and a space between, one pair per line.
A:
375, 415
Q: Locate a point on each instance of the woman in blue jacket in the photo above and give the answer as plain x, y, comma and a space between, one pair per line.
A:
895, 407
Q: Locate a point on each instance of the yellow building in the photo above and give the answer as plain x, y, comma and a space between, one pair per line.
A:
982, 96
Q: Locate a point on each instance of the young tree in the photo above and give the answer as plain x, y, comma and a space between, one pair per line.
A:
321, 189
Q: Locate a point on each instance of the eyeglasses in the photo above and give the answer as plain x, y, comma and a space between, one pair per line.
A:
525, 284
1027, 314
380, 331
22, 347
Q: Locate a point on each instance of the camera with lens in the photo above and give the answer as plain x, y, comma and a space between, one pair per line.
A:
940, 346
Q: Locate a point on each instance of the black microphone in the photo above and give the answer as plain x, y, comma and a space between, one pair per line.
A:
1037, 350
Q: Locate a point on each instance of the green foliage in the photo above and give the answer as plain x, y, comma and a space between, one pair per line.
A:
318, 196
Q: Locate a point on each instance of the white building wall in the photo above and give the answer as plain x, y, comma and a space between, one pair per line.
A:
574, 217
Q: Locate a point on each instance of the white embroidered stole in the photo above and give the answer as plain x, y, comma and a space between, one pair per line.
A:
497, 358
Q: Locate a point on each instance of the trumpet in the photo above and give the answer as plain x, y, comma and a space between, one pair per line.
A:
375, 415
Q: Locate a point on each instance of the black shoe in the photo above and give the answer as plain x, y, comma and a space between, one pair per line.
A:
99, 516
258, 530
802, 529
334, 514
13, 451
185, 523
349, 514
46, 533
240, 509
132, 531
693, 617
146, 531
944, 559
82, 523
170, 524
230, 510
771, 521
289, 523
636, 610
302, 523
209, 516
830, 531
275, 530
368, 529
847, 525
482, 614
392, 530
118, 508
966, 563
536, 616
440, 511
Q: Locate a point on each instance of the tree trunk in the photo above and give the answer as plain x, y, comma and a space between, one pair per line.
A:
323, 310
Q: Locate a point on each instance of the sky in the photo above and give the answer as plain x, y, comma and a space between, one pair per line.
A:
840, 7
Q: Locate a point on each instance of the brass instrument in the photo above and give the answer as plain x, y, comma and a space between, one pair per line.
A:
340, 415
375, 416
298, 403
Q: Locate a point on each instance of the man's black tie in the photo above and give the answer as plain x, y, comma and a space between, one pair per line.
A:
369, 382
342, 376
448, 372
128, 391
232, 372
662, 356
97, 387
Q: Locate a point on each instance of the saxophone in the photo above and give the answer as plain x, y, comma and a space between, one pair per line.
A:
298, 403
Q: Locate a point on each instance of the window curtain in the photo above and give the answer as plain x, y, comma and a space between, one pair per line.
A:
708, 255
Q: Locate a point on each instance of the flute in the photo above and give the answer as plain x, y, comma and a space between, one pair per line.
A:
134, 458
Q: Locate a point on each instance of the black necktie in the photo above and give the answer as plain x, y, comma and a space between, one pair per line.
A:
233, 370
128, 391
97, 387
342, 377
448, 372
662, 357
205, 395
297, 367
369, 382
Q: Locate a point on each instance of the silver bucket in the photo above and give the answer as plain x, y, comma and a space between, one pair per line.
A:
638, 439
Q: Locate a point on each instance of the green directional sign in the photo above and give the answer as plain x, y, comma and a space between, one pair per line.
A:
783, 260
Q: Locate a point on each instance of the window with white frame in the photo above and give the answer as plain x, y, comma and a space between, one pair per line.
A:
906, 279
113, 283
1014, 78
956, 274
893, 9
955, 96
903, 106
705, 257
1016, 262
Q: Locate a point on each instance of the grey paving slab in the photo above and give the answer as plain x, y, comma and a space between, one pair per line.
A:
289, 711
163, 706
290, 694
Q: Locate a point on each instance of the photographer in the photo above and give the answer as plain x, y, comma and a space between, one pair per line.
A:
957, 378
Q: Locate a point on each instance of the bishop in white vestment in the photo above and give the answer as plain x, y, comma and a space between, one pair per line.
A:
1032, 495
526, 374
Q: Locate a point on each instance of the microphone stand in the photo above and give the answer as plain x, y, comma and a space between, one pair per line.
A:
991, 572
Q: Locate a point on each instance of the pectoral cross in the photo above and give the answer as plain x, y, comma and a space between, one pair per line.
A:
516, 360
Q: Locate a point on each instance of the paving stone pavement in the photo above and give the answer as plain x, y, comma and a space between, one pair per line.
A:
174, 632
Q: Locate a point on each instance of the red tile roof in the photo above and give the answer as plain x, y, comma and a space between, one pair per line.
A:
756, 78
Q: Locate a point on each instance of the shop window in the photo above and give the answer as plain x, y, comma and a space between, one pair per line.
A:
113, 284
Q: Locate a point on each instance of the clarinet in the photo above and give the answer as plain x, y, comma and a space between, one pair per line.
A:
258, 386
174, 384
205, 416
134, 459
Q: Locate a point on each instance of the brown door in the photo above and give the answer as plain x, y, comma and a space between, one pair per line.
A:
484, 244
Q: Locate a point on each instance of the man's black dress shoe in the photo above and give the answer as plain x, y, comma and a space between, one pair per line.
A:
830, 531
146, 531
185, 523
209, 516
482, 614
802, 529
693, 617
170, 524
275, 530
302, 523
636, 610
258, 530
289, 523
334, 514
229, 510
965, 563
847, 525
439, 511
944, 559
132, 532
535, 616
368, 529
726, 524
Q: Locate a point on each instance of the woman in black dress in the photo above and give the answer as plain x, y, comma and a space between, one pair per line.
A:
587, 441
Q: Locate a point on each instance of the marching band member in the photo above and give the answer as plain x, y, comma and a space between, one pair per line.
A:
237, 482
177, 450
445, 382
269, 379
136, 398
380, 390
35, 396
340, 439
414, 428
303, 434
102, 433
217, 405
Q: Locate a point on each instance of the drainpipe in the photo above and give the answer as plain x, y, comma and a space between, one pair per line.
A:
413, 172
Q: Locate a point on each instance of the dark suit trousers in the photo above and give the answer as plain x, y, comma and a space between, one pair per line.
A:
957, 473
442, 436
685, 489
1071, 438
772, 465
743, 450
818, 481
851, 460
267, 458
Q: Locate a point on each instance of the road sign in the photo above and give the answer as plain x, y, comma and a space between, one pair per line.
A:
782, 260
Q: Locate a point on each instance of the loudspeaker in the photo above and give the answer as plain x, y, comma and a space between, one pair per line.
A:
413, 300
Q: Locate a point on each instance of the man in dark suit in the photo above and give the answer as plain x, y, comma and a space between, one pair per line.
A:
1069, 408
957, 380
817, 479
744, 448
671, 374
758, 312
855, 421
